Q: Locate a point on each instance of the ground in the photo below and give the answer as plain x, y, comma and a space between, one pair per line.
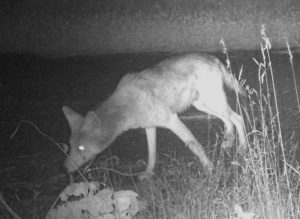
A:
35, 89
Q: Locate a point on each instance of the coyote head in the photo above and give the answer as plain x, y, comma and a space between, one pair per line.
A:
85, 139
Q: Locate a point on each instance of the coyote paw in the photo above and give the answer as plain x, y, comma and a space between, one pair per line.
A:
241, 149
228, 141
198, 150
145, 176
208, 167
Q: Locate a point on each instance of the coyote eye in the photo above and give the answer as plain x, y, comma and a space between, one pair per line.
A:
81, 148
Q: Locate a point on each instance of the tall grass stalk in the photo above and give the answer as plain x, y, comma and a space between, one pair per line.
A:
293, 71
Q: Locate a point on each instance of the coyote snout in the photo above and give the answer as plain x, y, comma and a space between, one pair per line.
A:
152, 98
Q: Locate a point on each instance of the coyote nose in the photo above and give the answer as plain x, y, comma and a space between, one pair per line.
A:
67, 168
64, 169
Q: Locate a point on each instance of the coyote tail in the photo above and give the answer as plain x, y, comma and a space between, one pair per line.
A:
231, 82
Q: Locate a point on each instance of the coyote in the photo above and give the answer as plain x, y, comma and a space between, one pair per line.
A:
152, 98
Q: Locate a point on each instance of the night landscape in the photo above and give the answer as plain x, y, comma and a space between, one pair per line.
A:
74, 53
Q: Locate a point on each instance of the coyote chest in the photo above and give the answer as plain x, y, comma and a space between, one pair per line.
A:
152, 98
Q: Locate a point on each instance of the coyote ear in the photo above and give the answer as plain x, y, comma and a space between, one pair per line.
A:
74, 119
92, 122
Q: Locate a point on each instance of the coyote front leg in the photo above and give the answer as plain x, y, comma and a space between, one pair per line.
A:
151, 141
178, 127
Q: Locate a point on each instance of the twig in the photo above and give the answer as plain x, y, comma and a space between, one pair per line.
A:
6, 207
39, 131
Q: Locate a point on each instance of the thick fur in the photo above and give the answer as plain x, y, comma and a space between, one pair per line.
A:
152, 98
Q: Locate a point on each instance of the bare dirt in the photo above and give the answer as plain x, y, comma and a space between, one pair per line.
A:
35, 89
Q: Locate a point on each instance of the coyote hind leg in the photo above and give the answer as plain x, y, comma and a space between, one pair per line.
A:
177, 127
217, 105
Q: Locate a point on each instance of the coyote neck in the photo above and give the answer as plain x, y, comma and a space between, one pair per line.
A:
112, 121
